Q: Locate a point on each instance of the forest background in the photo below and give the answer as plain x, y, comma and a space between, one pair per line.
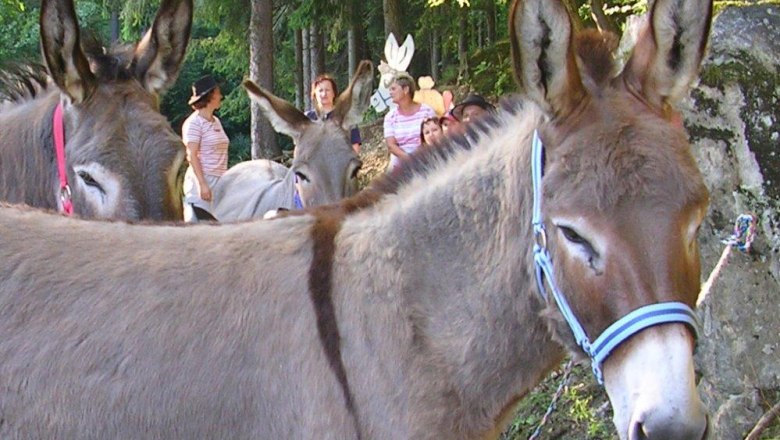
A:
283, 44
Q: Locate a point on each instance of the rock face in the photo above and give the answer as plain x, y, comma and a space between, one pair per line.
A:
732, 118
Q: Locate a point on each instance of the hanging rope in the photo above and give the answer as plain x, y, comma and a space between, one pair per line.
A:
554, 402
742, 238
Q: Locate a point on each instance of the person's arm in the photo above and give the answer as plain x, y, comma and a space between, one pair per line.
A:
356, 140
394, 149
193, 151
389, 131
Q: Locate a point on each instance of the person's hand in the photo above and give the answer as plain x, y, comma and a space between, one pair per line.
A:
205, 192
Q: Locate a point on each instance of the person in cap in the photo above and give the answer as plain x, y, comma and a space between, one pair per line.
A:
450, 125
207, 149
323, 97
472, 108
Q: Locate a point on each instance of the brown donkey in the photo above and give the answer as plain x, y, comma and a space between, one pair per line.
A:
409, 311
122, 158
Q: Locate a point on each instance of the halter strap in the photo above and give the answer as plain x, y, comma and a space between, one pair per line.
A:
58, 129
620, 330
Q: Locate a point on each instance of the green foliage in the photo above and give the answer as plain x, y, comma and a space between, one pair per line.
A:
491, 74
19, 39
581, 413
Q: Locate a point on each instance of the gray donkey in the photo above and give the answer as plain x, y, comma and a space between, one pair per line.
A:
121, 159
409, 311
324, 169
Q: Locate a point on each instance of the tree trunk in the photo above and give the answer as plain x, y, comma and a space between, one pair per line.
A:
490, 17
114, 23
352, 37
261, 70
392, 15
300, 89
306, 56
463, 60
317, 51
435, 55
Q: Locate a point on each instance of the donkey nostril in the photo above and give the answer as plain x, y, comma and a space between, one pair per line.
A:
650, 429
637, 431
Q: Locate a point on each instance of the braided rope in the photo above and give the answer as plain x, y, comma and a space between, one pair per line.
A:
742, 239
554, 402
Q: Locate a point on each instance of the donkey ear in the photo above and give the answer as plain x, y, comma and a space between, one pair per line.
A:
543, 54
159, 54
669, 50
61, 46
354, 101
282, 115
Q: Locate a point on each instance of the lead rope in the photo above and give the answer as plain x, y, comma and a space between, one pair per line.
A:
742, 239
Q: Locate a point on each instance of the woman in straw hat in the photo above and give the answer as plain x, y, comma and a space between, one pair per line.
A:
207, 149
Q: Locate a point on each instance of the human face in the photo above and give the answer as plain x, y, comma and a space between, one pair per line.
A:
397, 92
450, 126
472, 112
325, 94
216, 99
431, 131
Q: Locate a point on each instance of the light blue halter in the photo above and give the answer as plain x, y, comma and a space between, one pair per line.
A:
619, 331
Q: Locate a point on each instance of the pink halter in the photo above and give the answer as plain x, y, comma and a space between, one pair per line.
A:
59, 147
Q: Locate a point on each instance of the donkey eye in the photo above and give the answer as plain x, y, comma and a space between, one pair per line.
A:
301, 177
572, 235
89, 180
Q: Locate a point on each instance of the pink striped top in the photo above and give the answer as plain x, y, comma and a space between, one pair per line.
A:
213, 142
406, 128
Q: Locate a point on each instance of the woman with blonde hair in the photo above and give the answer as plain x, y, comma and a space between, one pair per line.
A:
402, 123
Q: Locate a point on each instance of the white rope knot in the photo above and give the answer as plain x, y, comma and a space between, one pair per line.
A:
742, 239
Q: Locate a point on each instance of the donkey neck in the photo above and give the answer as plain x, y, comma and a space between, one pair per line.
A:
28, 155
455, 256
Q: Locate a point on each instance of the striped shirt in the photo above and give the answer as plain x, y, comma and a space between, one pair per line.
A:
406, 128
213, 140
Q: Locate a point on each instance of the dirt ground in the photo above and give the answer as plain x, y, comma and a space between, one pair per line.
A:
373, 152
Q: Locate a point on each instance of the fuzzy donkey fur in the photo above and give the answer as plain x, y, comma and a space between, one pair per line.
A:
409, 311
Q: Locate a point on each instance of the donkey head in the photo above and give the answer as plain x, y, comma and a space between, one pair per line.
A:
325, 164
123, 158
623, 198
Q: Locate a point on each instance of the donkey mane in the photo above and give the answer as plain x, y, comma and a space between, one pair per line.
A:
22, 81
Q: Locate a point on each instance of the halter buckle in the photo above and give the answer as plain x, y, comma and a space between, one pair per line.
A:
540, 236
65, 194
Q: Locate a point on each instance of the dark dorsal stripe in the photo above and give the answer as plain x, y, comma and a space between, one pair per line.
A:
324, 231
